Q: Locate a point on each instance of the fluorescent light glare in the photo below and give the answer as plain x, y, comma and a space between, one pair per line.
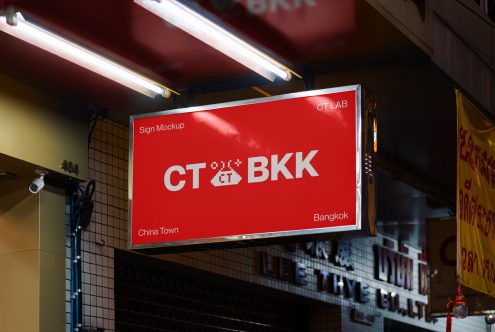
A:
210, 33
81, 56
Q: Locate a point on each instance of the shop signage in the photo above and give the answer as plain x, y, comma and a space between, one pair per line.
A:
391, 301
341, 252
396, 268
283, 269
424, 279
271, 167
317, 249
336, 284
287, 270
391, 267
475, 198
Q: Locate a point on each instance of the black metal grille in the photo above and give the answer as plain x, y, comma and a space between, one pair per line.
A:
155, 300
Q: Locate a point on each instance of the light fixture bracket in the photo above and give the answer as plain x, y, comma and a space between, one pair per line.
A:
10, 15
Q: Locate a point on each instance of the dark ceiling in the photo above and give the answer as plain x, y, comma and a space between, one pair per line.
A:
309, 38
330, 42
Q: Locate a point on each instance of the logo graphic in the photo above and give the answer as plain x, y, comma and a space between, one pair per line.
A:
226, 176
259, 169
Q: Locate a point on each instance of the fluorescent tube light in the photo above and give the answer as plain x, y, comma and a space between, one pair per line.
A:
18, 27
212, 34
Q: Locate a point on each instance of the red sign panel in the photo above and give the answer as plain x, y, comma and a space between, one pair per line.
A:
278, 166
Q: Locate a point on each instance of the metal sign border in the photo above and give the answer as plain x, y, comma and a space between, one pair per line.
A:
243, 237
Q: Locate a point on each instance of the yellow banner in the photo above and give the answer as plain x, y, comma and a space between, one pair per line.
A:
475, 198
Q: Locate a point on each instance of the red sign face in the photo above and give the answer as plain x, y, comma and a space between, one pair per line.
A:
277, 166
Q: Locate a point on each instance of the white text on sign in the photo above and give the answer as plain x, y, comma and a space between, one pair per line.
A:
260, 169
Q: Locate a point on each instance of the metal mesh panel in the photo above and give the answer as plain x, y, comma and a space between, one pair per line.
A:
151, 300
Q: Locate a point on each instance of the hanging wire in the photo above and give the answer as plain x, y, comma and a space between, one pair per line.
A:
75, 259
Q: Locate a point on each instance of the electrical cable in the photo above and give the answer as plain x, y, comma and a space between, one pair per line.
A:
81, 208
84, 206
98, 114
75, 259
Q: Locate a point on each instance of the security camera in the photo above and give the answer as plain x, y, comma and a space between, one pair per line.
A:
38, 183
490, 318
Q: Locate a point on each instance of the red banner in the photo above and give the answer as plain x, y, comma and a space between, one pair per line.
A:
275, 166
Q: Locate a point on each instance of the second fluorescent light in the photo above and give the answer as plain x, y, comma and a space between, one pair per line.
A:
212, 34
18, 27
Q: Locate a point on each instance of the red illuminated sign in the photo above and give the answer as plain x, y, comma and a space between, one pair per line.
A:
277, 166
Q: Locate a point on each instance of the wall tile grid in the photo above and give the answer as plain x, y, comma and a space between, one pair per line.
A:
108, 158
108, 164
245, 264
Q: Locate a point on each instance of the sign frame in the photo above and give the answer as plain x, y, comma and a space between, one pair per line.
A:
365, 179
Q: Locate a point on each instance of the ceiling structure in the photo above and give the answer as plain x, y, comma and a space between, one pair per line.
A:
307, 36
330, 42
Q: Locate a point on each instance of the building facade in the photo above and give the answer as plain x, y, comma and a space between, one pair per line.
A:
410, 54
